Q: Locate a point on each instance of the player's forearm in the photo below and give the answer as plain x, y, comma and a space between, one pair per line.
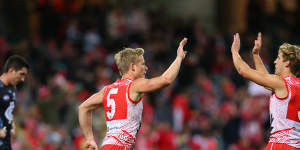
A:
85, 121
171, 73
259, 65
240, 64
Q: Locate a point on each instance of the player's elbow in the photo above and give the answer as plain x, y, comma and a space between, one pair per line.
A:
81, 107
243, 72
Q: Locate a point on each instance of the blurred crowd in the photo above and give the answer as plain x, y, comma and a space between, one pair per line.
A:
70, 46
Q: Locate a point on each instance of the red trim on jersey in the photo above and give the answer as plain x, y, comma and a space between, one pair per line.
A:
128, 134
126, 79
293, 128
118, 140
128, 92
288, 91
281, 146
114, 147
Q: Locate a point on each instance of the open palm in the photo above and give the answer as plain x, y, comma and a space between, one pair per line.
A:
257, 44
236, 44
180, 51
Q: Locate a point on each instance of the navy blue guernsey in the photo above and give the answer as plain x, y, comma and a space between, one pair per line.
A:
7, 105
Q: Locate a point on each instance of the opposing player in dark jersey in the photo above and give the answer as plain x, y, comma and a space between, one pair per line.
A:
14, 71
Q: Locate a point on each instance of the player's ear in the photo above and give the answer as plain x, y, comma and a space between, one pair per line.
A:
11, 70
132, 66
287, 63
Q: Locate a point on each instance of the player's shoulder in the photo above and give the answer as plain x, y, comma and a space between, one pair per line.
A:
292, 80
4, 88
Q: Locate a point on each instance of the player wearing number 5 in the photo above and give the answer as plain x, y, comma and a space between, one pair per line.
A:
122, 100
14, 71
285, 85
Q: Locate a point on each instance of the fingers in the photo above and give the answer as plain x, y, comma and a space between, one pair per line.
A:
256, 43
236, 38
91, 146
183, 42
3, 132
235, 47
259, 38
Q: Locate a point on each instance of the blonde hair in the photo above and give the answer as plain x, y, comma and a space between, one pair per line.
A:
127, 56
291, 53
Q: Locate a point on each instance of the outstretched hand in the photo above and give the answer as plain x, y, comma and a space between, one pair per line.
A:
257, 44
180, 51
91, 145
236, 44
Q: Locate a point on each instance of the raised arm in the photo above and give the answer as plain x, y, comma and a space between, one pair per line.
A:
259, 65
85, 118
146, 85
271, 81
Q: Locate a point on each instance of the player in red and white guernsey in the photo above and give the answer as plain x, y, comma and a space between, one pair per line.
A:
122, 100
285, 85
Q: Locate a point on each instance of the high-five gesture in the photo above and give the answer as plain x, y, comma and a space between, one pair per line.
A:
284, 85
180, 51
257, 44
236, 44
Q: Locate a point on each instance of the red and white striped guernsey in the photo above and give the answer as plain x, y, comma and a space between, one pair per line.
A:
285, 115
123, 115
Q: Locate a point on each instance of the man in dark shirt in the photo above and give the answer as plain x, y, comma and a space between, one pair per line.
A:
14, 71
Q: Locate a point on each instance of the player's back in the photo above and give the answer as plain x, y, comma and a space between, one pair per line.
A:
123, 115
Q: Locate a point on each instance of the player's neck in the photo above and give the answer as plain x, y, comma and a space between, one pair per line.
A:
128, 76
287, 74
4, 79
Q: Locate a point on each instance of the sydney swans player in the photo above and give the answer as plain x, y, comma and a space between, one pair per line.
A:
285, 85
122, 100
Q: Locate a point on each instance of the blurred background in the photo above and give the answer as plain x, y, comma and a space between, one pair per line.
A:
70, 46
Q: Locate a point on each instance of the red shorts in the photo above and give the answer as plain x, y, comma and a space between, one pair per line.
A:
280, 146
114, 147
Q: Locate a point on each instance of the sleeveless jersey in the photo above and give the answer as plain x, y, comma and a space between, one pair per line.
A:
123, 115
285, 115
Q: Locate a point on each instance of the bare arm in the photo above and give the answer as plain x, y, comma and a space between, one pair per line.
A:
146, 85
259, 65
271, 81
85, 117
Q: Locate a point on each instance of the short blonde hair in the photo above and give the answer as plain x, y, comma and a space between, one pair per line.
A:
291, 53
127, 56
